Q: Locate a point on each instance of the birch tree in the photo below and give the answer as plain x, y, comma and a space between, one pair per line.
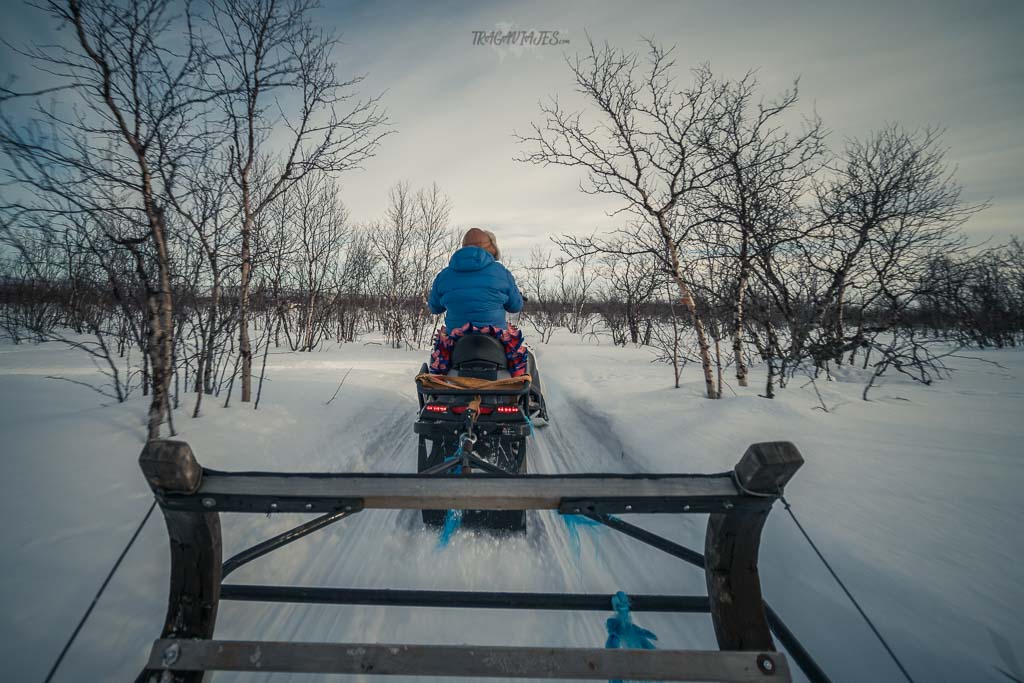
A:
130, 83
767, 169
284, 106
643, 146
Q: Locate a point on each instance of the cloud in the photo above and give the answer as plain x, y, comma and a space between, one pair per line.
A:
456, 104
862, 65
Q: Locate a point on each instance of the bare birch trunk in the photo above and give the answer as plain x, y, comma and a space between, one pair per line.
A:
718, 367
769, 387
686, 298
308, 333
244, 347
737, 330
839, 331
160, 337
204, 370
702, 337
208, 370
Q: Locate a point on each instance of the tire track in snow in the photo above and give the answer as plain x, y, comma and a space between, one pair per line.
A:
391, 548
579, 440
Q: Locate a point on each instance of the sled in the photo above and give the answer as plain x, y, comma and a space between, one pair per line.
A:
737, 504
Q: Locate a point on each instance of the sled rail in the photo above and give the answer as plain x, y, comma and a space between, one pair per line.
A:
269, 492
737, 503
468, 661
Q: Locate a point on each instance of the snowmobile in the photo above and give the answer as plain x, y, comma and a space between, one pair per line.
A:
479, 428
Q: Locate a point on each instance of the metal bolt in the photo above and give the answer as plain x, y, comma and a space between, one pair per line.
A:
309, 506
348, 508
575, 509
171, 654
765, 664
209, 502
273, 506
727, 504
686, 508
629, 507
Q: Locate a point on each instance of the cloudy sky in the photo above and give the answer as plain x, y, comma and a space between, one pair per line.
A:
861, 64
455, 105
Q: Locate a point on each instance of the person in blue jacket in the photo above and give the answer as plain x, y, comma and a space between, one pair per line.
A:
475, 291
475, 288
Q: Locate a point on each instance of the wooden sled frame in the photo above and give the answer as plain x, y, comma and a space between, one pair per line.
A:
737, 502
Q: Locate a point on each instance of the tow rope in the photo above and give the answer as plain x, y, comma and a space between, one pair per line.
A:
846, 591
622, 632
452, 523
572, 525
453, 518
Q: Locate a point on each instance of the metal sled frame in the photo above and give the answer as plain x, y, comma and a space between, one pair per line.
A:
738, 503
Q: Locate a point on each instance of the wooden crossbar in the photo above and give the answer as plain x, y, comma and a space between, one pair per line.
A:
298, 492
468, 661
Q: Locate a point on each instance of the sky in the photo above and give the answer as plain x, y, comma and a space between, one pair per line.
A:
454, 105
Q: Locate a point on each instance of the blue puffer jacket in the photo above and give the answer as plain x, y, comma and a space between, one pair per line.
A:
474, 288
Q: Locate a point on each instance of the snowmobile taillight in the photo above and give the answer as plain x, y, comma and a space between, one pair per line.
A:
507, 410
484, 410
436, 408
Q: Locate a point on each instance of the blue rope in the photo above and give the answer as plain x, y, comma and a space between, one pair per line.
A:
572, 525
622, 632
452, 518
452, 522
455, 456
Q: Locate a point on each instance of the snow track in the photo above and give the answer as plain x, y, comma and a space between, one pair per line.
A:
392, 549
934, 568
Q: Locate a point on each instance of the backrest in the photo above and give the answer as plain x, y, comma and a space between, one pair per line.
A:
479, 355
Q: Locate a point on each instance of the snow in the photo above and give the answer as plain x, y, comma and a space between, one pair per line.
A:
915, 497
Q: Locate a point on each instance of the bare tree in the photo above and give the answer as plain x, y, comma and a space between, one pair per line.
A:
631, 283
540, 309
645, 149
669, 338
198, 191
574, 284
435, 241
134, 88
411, 244
767, 169
286, 107
321, 233
878, 217
351, 286
393, 241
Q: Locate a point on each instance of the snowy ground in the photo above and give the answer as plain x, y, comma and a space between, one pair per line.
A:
915, 497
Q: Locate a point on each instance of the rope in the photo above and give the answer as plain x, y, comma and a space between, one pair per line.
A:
821, 556
846, 590
103, 587
758, 494
452, 518
572, 524
622, 632
452, 522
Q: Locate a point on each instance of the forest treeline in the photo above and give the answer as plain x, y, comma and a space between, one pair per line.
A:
172, 208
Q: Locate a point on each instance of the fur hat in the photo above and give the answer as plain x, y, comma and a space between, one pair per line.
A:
485, 239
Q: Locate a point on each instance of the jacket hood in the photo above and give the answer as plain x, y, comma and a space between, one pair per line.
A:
470, 259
